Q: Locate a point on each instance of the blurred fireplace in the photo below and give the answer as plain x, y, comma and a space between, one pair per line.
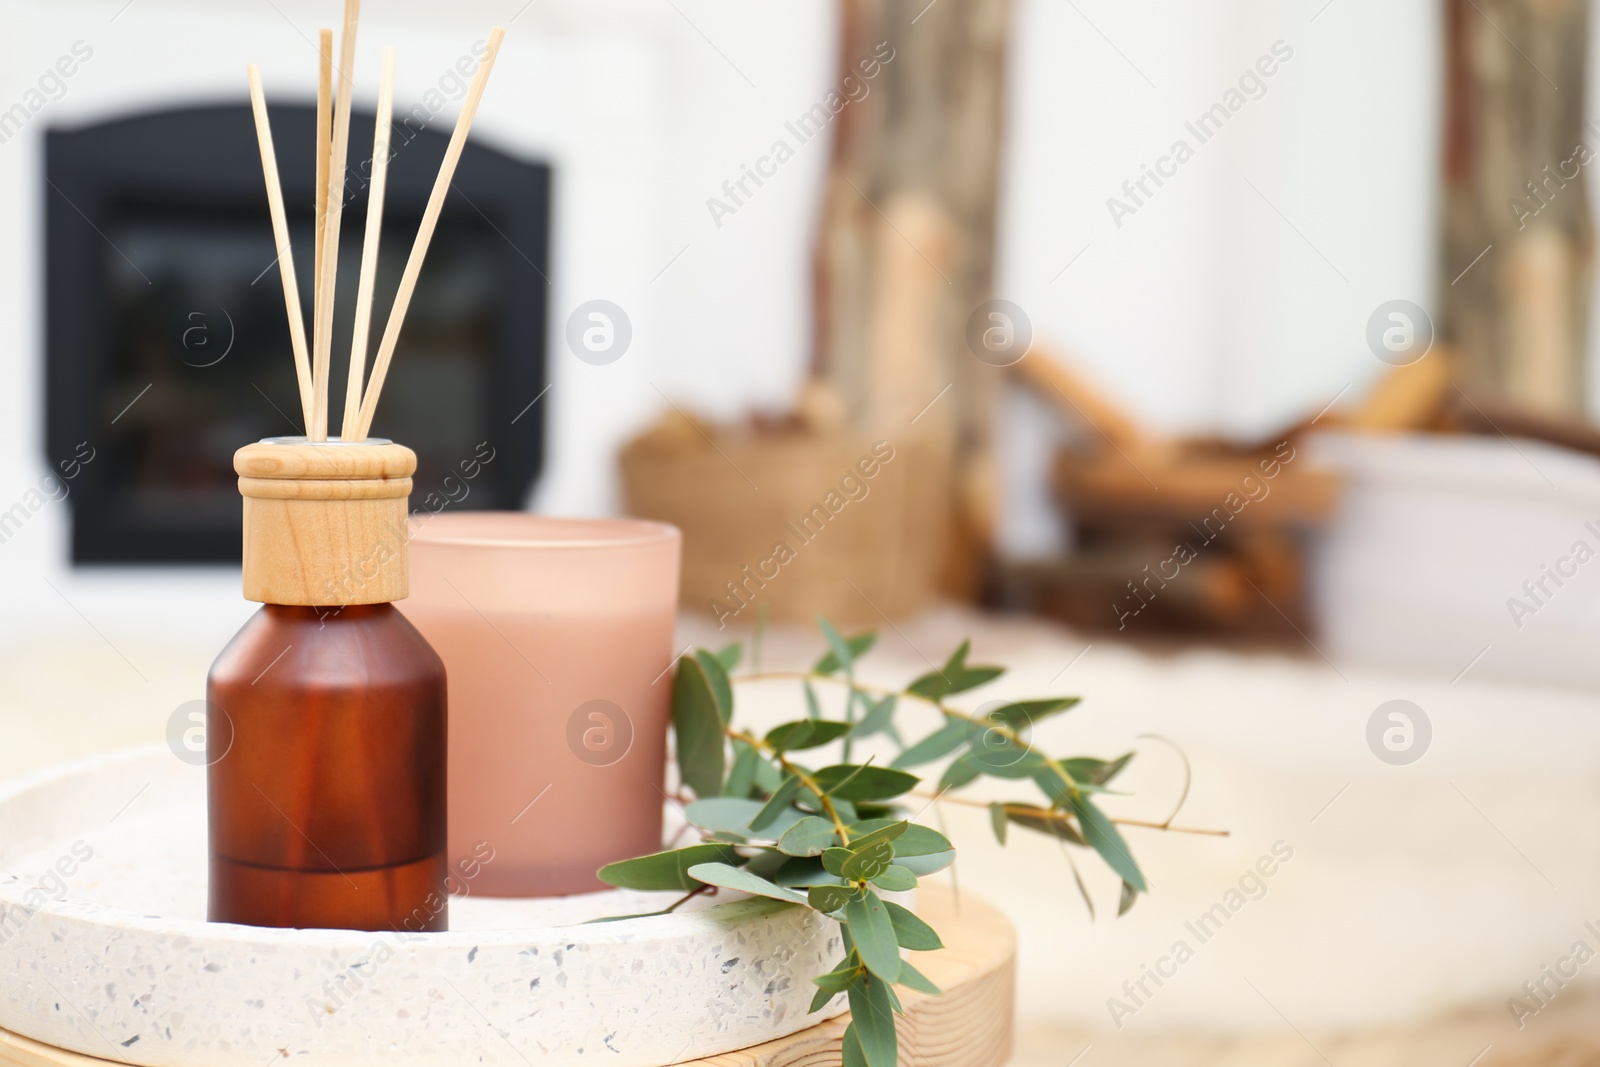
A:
168, 347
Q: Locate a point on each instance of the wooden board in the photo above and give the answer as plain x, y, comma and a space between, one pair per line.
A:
970, 1025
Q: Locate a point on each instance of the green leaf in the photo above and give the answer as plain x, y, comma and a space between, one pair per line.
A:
943, 741
895, 879
999, 757
777, 804
813, 709
728, 656
1083, 890
878, 719
962, 771
937, 685
665, 871
910, 931
954, 677
1125, 902
806, 733
1045, 821
820, 1001
850, 781
888, 832
872, 1019
1104, 838
805, 871
919, 840
865, 863
915, 979
997, 821
852, 1052
698, 724
829, 899
1024, 713
737, 878
1094, 771
729, 815
842, 653
742, 775
873, 933
808, 837
721, 688
932, 863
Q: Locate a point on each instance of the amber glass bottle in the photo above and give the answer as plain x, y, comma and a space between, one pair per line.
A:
326, 785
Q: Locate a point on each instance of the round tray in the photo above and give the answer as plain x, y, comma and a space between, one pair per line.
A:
104, 951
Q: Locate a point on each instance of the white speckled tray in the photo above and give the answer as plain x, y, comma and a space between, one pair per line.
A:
104, 950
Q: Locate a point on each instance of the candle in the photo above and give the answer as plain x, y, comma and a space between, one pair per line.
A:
556, 635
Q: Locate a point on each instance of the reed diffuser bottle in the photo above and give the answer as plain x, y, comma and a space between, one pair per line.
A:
326, 780
327, 804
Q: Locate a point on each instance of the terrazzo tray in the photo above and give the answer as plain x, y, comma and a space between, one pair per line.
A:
104, 951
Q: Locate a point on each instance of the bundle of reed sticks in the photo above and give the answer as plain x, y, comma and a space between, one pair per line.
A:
333, 135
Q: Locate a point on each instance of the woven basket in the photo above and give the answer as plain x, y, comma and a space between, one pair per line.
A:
795, 521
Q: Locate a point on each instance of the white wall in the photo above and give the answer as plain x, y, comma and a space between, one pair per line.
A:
1205, 310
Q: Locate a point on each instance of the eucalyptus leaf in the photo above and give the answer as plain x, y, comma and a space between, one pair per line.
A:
932, 863
919, 840
862, 782
872, 1019
742, 775
912, 978
873, 932
813, 709
888, 832
776, 804
1022, 714
910, 930
820, 1001
728, 656
809, 837
805, 733
851, 1051
729, 877
866, 863
803, 872
878, 719
829, 899
943, 741
997, 821
721, 687
698, 725
665, 871
725, 814
841, 654
1045, 821
962, 771
895, 879
1094, 771
936, 685
1125, 902
1103, 837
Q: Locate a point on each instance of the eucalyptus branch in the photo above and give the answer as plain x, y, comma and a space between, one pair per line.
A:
806, 780
999, 729
1068, 817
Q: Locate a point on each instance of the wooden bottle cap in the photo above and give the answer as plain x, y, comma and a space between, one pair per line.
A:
325, 522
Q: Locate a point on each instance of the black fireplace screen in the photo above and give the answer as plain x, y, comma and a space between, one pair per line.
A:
168, 347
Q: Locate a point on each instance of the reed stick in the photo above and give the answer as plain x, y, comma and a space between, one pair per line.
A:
419, 250
328, 283
369, 250
280, 236
324, 148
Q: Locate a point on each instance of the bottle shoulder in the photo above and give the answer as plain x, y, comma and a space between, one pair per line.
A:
364, 644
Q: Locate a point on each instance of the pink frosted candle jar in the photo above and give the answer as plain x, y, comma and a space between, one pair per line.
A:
556, 636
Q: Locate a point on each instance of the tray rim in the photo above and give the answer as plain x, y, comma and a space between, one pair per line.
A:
13, 890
